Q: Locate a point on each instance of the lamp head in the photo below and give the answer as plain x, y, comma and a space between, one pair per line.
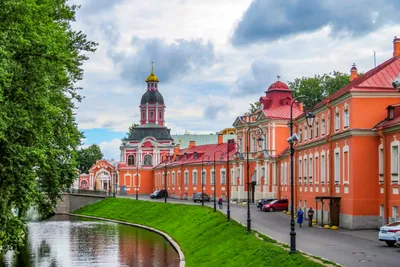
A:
293, 139
396, 84
260, 141
310, 119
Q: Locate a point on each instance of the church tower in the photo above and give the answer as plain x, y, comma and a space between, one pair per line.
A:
152, 106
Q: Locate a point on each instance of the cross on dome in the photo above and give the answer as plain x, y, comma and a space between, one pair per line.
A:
152, 77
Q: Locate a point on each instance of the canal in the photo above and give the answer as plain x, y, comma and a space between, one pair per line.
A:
63, 241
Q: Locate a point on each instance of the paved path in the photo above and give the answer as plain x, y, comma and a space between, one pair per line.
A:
349, 248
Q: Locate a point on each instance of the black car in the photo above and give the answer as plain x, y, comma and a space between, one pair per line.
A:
159, 194
198, 197
264, 201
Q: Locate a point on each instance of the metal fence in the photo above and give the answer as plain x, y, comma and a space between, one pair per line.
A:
86, 192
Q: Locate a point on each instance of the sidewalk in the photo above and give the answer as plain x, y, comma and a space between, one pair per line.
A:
349, 248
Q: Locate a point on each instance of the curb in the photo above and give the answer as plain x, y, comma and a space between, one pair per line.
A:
182, 261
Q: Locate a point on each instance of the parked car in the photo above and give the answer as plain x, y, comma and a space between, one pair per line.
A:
199, 197
388, 233
264, 201
159, 194
279, 204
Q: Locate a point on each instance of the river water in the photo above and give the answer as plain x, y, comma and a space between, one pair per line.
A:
64, 241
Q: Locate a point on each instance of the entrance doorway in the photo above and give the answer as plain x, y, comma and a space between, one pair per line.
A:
334, 209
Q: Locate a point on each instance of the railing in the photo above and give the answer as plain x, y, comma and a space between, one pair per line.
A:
86, 192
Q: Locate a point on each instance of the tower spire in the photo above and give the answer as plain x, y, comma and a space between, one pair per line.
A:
152, 67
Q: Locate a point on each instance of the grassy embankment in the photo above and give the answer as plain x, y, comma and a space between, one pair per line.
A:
205, 237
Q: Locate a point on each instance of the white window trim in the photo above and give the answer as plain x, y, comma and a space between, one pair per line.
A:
186, 175
337, 119
323, 127
220, 173
316, 170
204, 180
323, 170
394, 177
129, 176
194, 181
336, 172
346, 109
346, 150
211, 177
173, 178
380, 162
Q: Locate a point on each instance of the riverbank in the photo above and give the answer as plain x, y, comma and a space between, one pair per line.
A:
205, 237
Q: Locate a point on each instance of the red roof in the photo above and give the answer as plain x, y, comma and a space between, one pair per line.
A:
278, 85
282, 112
205, 153
378, 79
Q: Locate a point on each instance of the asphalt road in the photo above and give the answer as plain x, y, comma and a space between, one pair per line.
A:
348, 248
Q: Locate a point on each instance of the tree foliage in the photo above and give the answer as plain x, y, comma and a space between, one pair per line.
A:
40, 61
318, 87
254, 107
130, 131
87, 157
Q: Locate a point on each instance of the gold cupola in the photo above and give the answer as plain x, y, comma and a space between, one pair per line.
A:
152, 77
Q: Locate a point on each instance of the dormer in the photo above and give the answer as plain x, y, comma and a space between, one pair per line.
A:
195, 155
286, 101
393, 111
185, 155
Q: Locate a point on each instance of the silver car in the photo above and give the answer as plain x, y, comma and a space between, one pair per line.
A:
388, 233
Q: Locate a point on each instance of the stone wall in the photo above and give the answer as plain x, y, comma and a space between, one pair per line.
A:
70, 202
359, 222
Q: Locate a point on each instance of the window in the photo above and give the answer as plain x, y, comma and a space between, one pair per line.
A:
212, 177
316, 129
381, 165
391, 113
155, 84
143, 114
194, 178
203, 180
300, 135
147, 160
311, 132
185, 156
323, 130
151, 114
395, 213
323, 168
346, 118
239, 147
173, 178
195, 155
254, 144
186, 178
300, 169
223, 177
131, 160
311, 170
305, 134
337, 167
305, 169
160, 114
162, 180
337, 120
395, 163
262, 172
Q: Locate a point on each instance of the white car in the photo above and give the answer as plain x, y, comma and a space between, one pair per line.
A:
397, 237
388, 232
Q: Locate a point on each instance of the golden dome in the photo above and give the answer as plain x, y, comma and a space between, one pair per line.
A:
152, 77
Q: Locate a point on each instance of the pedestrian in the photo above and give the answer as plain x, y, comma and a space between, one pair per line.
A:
300, 217
310, 214
220, 203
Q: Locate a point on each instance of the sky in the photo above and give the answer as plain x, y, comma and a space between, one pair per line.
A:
213, 58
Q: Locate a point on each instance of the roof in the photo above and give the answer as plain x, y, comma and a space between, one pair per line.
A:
378, 79
152, 97
150, 130
278, 86
200, 139
205, 153
282, 112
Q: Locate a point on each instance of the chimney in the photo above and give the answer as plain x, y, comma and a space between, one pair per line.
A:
396, 47
176, 149
353, 72
301, 106
220, 138
192, 144
231, 147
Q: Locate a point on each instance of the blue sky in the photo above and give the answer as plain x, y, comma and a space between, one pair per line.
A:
215, 57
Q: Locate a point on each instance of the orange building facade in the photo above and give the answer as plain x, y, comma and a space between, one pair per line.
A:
346, 166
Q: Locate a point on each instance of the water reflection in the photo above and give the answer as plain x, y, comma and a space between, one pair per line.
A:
71, 241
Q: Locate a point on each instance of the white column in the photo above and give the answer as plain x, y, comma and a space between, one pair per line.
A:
156, 113
91, 181
147, 112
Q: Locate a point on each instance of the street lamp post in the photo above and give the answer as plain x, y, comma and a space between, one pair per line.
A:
137, 179
202, 177
165, 177
260, 141
293, 137
228, 211
215, 177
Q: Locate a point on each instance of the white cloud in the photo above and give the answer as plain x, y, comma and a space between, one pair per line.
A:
110, 149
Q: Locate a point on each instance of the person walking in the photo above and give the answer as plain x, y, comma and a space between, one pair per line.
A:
300, 217
220, 203
310, 214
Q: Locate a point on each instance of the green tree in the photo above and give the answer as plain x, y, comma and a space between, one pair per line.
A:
130, 131
87, 157
254, 107
318, 87
40, 62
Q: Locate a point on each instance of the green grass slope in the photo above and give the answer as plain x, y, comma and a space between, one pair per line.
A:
205, 237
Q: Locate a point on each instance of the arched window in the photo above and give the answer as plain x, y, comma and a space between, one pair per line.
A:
84, 184
131, 160
148, 160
